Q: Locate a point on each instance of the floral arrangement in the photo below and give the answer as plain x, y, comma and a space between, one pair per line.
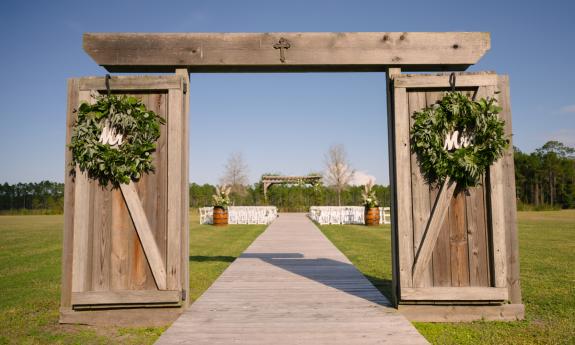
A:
222, 196
368, 195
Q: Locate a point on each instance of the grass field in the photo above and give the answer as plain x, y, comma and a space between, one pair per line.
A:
547, 257
30, 251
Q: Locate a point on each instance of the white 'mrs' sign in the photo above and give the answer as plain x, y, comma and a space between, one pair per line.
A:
110, 136
454, 141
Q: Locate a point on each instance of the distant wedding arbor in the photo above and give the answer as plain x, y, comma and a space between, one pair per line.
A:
125, 255
269, 180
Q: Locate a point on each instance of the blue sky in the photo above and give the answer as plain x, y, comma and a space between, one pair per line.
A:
280, 122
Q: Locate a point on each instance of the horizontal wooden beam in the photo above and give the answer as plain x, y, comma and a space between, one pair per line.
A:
126, 297
131, 83
468, 79
307, 52
454, 294
462, 313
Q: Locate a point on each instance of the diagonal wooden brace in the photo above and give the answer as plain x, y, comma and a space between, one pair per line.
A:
433, 228
145, 234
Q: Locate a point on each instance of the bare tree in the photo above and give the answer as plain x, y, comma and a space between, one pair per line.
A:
236, 173
338, 171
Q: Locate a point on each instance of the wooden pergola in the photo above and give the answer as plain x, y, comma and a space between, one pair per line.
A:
269, 180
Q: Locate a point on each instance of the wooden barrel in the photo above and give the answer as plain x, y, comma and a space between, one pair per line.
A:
371, 216
220, 216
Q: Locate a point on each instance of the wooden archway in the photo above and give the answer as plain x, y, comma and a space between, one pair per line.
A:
109, 273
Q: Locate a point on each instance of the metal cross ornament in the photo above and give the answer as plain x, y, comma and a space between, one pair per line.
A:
281, 45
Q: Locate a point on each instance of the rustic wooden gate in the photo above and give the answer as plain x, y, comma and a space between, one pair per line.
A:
126, 248
452, 247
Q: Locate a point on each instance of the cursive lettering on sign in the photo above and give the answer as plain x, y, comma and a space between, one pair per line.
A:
110, 137
454, 141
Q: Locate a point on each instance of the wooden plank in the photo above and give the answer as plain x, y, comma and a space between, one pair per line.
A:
420, 194
81, 242
125, 297
131, 83
124, 317
438, 214
497, 208
101, 246
402, 158
145, 234
122, 229
458, 241
69, 192
291, 286
463, 313
441, 257
389, 75
454, 294
510, 202
175, 148
477, 237
312, 51
441, 80
185, 233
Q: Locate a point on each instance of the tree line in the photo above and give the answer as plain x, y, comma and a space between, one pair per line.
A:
545, 178
44, 197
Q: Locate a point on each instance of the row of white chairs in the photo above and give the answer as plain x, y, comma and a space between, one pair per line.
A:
242, 214
345, 214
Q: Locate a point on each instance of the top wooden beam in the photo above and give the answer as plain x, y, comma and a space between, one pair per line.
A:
307, 52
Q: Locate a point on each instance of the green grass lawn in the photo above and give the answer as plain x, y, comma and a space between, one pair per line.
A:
30, 251
547, 258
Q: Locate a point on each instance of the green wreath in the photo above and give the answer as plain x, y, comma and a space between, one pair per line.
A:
114, 138
458, 137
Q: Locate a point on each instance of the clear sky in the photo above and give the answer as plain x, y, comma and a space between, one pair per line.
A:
280, 122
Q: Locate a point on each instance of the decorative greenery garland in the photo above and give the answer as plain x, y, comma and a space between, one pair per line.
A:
113, 139
458, 137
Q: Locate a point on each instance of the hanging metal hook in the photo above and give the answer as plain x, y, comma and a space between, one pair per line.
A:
452, 81
108, 84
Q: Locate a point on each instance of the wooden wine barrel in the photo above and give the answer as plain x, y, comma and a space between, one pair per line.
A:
372, 216
220, 216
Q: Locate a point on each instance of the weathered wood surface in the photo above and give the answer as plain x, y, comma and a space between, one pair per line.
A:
291, 286
126, 297
454, 294
311, 51
109, 252
463, 313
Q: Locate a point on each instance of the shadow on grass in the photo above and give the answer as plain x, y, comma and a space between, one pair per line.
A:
219, 258
335, 274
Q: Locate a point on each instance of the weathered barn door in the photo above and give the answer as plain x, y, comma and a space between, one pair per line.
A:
126, 248
452, 246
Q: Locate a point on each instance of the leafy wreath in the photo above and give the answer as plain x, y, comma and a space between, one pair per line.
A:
458, 137
114, 138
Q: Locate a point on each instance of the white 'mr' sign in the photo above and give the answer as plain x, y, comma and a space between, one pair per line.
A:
454, 141
110, 136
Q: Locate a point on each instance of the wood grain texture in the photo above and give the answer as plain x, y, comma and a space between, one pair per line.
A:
145, 234
175, 149
69, 193
131, 83
430, 236
389, 75
313, 51
458, 241
402, 157
121, 317
441, 80
512, 240
454, 294
291, 286
420, 195
126, 297
463, 313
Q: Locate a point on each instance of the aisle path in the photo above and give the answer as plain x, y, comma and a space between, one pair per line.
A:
291, 286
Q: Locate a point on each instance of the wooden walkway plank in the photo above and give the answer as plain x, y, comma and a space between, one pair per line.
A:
292, 286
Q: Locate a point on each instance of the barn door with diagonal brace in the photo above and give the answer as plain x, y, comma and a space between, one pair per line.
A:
451, 246
126, 247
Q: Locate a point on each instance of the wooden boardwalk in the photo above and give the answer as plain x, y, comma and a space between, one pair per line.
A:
291, 286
